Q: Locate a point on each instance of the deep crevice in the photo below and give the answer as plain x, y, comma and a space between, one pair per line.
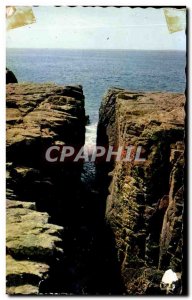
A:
89, 265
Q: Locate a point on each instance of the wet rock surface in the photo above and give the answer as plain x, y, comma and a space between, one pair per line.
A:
145, 199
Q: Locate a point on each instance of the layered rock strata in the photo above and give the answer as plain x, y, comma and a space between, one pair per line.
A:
32, 245
145, 203
38, 192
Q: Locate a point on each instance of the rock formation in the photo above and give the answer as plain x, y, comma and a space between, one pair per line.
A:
60, 236
10, 77
145, 203
38, 116
32, 245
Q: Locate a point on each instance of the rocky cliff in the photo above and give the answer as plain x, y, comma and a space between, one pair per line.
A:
145, 202
38, 116
60, 236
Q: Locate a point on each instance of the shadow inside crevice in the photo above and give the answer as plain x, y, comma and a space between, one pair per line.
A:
89, 265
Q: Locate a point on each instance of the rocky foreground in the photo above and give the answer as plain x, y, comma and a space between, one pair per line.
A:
38, 116
32, 244
145, 203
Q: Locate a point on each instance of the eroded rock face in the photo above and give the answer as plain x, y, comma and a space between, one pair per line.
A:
145, 199
38, 116
32, 243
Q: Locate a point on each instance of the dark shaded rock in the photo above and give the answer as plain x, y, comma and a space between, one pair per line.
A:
10, 77
171, 254
87, 120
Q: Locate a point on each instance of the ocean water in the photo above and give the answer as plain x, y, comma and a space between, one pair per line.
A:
97, 70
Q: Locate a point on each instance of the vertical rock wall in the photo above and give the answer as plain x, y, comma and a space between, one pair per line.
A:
38, 116
145, 199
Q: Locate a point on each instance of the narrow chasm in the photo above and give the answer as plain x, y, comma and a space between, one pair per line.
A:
89, 265
77, 256
119, 223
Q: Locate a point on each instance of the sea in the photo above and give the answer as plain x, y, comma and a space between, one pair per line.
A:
97, 70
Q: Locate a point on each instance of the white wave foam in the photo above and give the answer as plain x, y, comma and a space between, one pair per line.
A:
90, 135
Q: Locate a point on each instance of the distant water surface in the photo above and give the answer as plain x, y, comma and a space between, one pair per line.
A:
97, 70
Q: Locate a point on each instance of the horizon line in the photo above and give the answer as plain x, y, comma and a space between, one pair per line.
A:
99, 49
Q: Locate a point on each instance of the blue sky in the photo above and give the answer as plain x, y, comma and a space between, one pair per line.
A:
97, 28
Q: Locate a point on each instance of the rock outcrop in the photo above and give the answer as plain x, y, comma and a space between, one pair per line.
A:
38, 192
10, 77
145, 203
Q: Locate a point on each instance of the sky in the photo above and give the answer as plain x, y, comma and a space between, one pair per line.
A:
97, 28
